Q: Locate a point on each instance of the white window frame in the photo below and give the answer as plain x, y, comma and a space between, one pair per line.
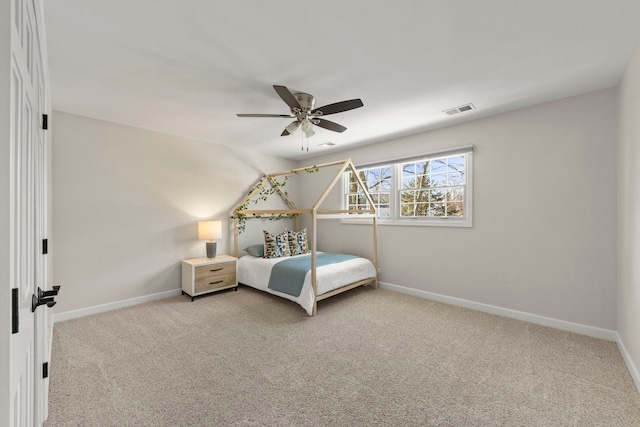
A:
466, 220
347, 193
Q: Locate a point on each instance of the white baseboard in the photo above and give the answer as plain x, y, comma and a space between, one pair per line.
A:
633, 370
591, 331
72, 314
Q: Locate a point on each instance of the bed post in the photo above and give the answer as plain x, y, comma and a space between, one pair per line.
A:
313, 261
235, 236
375, 249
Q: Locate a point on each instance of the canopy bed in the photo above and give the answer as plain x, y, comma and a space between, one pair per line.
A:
289, 264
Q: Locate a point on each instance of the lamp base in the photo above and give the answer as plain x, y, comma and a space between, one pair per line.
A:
211, 249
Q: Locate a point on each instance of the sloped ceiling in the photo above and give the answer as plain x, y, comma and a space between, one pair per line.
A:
187, 67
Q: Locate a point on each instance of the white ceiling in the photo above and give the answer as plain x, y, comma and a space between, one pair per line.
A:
187, 67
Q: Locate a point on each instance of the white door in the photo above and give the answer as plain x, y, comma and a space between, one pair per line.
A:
25, 221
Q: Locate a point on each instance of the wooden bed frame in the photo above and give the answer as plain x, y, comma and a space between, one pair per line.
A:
316, 213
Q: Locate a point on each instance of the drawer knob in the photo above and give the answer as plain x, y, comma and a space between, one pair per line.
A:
217, 269
216, 282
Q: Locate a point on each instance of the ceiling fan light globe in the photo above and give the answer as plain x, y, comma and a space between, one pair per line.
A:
292, 127
307, 128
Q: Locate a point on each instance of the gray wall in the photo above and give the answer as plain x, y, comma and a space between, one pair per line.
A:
543, 239
628, 212
126, 202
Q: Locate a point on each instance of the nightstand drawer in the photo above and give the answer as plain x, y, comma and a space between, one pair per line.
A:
204, 284
215, 270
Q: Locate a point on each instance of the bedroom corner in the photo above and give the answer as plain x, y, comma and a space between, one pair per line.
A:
126, 206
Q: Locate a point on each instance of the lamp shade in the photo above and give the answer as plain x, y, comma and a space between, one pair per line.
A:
307, 128
209, 230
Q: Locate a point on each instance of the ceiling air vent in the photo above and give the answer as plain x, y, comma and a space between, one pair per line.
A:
460, 109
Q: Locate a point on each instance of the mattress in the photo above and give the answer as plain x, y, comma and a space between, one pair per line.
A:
255, 272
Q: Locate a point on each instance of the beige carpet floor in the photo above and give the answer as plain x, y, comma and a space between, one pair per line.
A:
370, 358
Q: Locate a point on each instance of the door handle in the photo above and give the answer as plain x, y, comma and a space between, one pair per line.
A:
52, 293
37, 302
44, 298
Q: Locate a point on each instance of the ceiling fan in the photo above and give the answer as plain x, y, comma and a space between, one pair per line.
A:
305, 115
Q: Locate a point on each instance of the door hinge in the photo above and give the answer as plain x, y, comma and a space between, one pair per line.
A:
15, 310
45, 370
45, 121
45, 246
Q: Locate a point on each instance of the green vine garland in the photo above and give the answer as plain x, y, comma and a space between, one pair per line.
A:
264, 193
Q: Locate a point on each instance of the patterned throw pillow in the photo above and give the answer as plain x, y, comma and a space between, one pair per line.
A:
277, 245
298, 244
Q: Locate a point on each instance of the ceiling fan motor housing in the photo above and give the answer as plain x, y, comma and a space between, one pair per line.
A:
307, 102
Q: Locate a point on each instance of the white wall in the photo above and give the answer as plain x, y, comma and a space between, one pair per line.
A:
628, 213
126, 202
543, 239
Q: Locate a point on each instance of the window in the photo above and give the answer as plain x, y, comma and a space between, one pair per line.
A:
430, 190
378, 182
433, 188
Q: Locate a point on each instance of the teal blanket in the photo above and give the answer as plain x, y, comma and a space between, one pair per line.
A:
288, 276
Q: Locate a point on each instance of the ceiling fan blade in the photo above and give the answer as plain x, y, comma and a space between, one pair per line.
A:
330, 125
265, 115
287, 96
338, 107
290, 129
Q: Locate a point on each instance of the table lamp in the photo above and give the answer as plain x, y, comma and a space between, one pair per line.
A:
210, 231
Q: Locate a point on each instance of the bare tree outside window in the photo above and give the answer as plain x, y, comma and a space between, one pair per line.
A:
378, 183
433, 188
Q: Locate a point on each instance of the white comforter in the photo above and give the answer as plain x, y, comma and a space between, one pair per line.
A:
255, 272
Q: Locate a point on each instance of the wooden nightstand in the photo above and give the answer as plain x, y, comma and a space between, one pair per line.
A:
204, 275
